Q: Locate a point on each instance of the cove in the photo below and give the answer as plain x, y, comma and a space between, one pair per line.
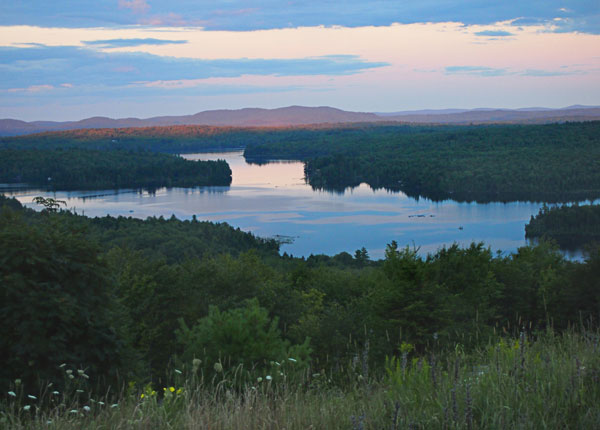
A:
273, 200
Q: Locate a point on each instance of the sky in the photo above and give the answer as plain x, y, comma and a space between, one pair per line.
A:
69, 59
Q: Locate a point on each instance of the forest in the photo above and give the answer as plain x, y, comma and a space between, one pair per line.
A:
77, 169
126, 299
552, 163
574, 226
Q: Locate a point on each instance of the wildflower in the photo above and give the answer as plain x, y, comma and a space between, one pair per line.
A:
31, 397
268, 377
179, 372
68, 371
114, 405
17, 382
259, 379
196, 362
73, 411
293, 360
71, 377
179, 391
142, 396
101, 403
26, 407
172, 389
12, 394
218, 367
62, 365
81, 372
87, 408
277, 363
79, 391
83, 375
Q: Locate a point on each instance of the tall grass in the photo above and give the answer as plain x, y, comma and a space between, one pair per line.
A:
548, 381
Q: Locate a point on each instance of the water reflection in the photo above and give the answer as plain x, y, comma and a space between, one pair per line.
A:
274, 199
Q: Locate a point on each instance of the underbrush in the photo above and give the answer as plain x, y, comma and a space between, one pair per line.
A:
529, 382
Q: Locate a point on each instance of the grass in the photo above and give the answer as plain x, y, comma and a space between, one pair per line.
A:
549, 381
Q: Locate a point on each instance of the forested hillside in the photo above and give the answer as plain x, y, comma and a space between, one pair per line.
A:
556, 162
76, 169
138, 282
570, 226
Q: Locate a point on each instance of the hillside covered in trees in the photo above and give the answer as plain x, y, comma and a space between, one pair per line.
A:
552, 163
129, 297
570, 226
76, 169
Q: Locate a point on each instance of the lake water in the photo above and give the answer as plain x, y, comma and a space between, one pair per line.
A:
274, 200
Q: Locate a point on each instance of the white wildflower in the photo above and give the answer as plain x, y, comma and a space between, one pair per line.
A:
87, 408
26, 407
268, 377
293, 360
12, 394
31, 397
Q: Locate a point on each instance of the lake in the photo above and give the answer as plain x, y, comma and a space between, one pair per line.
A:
273, 200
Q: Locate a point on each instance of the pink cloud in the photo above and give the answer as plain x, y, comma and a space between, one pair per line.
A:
137, 6
31, 89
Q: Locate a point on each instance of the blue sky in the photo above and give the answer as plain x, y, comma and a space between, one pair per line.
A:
65, 60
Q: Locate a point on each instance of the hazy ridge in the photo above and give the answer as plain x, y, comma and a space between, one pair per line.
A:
300, 115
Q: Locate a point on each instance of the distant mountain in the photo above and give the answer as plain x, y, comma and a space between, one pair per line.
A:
486, 115
299, 115
293, 115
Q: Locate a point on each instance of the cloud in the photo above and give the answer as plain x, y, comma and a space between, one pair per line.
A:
31, 89
583, 15
123, 43
475, 70
546, 73
137, 6
54, 65
492, 72
494, 33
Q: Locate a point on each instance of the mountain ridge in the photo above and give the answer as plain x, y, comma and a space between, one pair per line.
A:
303, 115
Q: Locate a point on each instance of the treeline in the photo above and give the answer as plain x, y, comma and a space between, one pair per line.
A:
191, 138
570, 226
552, 163
74, 168
128, 298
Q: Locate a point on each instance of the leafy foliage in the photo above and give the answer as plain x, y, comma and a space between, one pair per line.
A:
69, 169
555, 162
570, 226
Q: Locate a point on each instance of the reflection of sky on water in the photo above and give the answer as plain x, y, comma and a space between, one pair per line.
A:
273, 199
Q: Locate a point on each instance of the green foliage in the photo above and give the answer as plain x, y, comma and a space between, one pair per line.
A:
74, 169
56, 302
244, 336
570, 226
555, 162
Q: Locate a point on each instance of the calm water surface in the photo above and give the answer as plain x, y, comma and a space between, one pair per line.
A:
273, 199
